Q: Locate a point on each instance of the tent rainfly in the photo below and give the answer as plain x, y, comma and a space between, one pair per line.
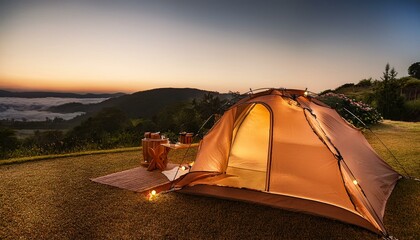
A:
285, 149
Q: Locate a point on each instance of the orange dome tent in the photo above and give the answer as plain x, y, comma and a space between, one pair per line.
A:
285, 149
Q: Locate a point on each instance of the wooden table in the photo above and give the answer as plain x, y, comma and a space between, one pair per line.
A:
170, 146
152, 146
155, 152
175, 146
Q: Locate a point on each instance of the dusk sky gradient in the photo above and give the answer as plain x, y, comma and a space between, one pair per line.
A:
128, 46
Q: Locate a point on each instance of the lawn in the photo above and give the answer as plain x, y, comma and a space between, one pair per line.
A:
54, 199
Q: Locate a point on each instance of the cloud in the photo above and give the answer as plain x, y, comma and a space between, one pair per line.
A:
35, 115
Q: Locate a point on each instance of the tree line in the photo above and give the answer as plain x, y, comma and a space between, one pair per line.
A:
112, 128
393, 98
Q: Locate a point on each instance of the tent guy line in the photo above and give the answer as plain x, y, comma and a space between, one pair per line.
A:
386, 147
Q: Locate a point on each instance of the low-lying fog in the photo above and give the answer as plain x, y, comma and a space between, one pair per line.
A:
35, 109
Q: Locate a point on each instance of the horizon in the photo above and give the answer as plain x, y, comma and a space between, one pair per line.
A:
92, 92
128, 46
22, 90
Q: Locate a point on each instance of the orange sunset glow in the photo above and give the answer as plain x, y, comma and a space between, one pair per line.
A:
85, 46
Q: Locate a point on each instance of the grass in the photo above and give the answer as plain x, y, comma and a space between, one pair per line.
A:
54, 198
403, 139
64, 155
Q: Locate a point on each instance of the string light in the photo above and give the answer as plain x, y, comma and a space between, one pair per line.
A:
183, 168
152, 195
305, 93
292, 102
355, 182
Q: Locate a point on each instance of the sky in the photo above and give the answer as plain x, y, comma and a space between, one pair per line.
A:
129, 46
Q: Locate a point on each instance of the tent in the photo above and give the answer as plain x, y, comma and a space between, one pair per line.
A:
285, 149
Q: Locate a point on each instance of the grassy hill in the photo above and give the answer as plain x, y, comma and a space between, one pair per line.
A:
360, 93
147, 103
54, 198
364, 90
143, 104
407, 87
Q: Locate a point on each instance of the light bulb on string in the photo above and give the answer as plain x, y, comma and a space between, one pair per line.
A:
152, 195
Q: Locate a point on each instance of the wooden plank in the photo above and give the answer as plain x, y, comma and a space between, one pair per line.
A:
137, 179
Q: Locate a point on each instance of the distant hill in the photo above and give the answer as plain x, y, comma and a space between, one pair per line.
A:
147, 103
4, 93
359, 92
140, 104
408, 88
72, 107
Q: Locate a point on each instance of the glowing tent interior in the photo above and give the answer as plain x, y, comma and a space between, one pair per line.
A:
285, 149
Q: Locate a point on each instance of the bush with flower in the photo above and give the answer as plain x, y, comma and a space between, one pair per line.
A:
363, 111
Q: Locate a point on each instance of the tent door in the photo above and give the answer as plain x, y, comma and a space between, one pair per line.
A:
247, 164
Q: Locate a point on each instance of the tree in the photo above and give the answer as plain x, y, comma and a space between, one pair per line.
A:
389, 74
100, 129
46, 142
414, 70
8, 141
388, 98
410, 88
210, 104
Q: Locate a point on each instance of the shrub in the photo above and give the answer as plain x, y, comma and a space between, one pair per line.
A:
107, 129
365, 83
8, 142
363, 111
412, 110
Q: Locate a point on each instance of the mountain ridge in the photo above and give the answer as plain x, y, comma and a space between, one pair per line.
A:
140, 104
44, 94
